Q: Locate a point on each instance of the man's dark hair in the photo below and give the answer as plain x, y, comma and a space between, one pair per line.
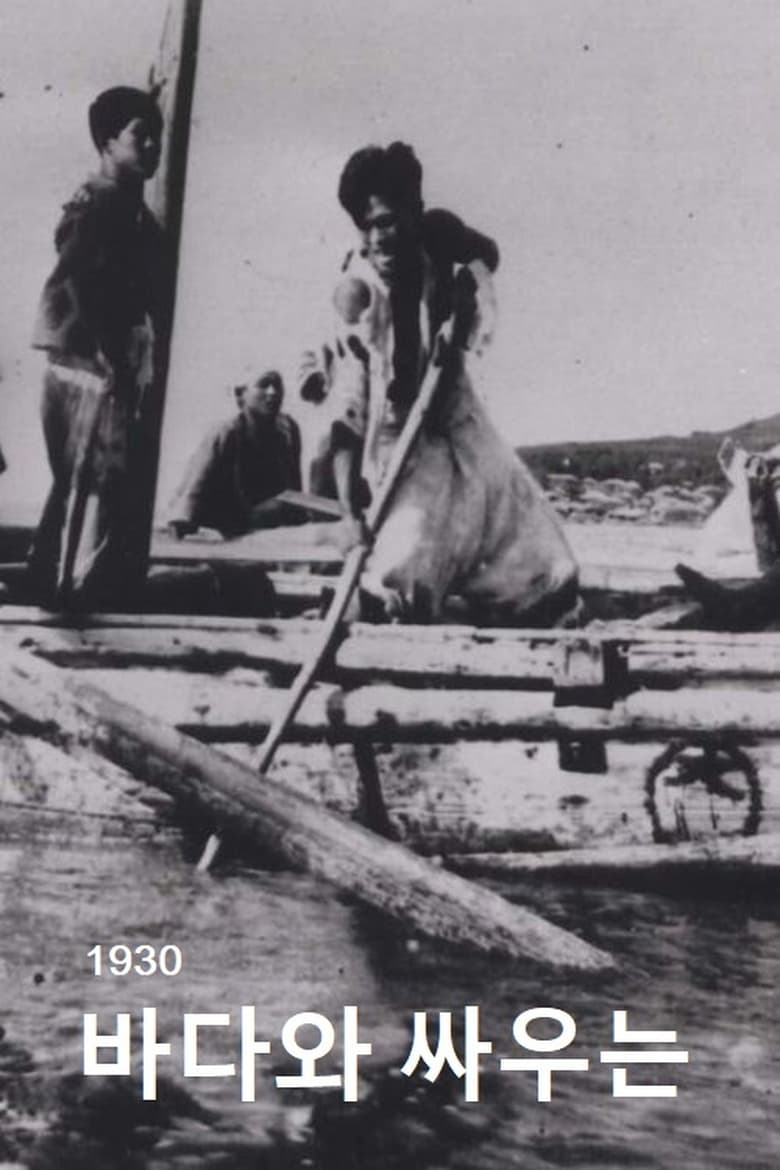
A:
113, 109
393, 172
270, 378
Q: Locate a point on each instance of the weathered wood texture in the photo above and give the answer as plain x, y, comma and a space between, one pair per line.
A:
760, 854
379, 872
242, 707
44, 791
175, 73
441, 655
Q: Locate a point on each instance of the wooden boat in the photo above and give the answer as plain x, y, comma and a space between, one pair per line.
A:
608, 751
643, 747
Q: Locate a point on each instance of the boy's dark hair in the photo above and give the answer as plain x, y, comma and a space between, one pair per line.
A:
393, 172
113, 109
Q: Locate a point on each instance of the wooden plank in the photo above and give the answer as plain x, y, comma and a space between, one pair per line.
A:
630, 633
213, 649
219, 709
379, 872
310, 544
759, 855
447, 655
30, 615
451, 656
388, 713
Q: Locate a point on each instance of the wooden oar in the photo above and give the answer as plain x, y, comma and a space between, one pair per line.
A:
355, 561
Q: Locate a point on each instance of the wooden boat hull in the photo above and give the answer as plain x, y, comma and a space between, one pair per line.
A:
470, 765
468, 728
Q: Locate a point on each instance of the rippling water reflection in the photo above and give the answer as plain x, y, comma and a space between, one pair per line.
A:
285, 943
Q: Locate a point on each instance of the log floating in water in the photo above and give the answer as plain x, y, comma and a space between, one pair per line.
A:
760, 854
381, 873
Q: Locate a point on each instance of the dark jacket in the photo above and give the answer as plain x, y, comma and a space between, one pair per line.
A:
236, 468
106, 279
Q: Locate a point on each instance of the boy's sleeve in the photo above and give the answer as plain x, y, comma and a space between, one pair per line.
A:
70, 317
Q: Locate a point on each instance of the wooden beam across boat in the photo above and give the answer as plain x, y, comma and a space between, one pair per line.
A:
759, 854
441, 655
227, 709
283, 824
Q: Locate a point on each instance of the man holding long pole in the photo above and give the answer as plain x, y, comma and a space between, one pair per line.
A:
466, 514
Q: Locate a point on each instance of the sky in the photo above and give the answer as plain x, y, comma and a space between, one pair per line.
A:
624, 153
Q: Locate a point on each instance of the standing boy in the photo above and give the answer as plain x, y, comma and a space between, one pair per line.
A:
96, 322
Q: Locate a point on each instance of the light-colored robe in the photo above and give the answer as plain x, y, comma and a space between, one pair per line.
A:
467, 516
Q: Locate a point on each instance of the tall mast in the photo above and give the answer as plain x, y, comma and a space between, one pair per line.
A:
173, 75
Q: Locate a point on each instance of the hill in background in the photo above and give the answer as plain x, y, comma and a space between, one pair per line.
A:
667, 479
675, 460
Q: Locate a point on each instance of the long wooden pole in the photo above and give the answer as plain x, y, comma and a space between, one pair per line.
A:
356, 558
297, 831
174, 73
439, 369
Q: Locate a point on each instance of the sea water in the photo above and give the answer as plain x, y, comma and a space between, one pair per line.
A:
705, 964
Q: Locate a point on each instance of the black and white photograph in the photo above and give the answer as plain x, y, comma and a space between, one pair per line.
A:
389, 584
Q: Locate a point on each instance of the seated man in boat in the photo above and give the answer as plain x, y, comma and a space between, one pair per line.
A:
466, 515
242, 465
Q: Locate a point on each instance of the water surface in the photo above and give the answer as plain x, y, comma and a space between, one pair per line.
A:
706, 966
